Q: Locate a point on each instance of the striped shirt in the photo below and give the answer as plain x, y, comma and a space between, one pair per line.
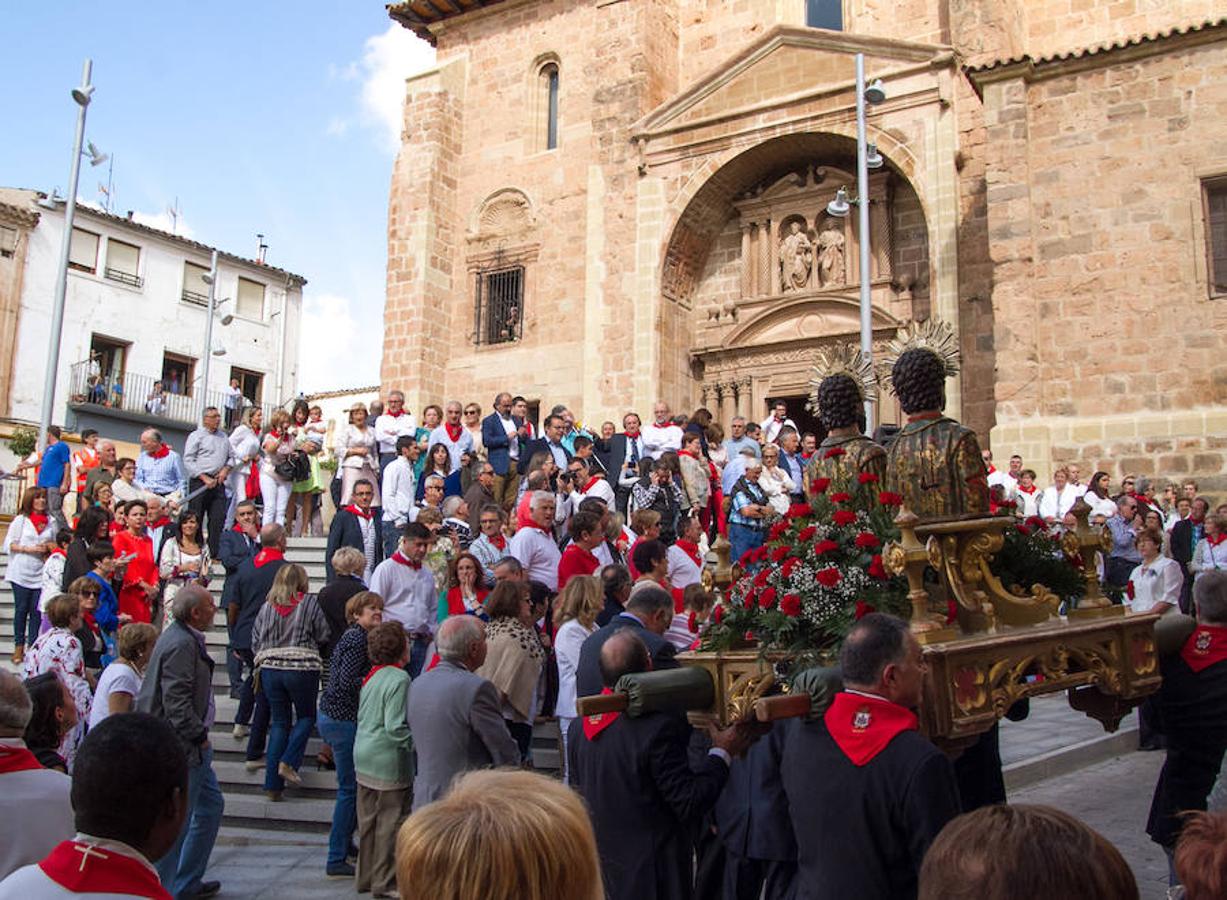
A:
290, 641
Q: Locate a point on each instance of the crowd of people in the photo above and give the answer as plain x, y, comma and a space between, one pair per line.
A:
481, 576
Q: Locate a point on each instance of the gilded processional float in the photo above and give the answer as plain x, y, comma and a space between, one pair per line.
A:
1004, 610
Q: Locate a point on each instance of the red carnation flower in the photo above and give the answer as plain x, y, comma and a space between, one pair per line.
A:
760, 553
692, 622
778, 554
1023, 530
867, 540
820, 485
789, 565
717, 614
829, 577
761, 578
843, 517
825, 546
834, 452
749, 635
776, 530
766, 598
867, 478
807, 533
746, 558
863, 609
798, 509
1035, 522
841, 497
748, 600
876, 569
890, 498
791, 605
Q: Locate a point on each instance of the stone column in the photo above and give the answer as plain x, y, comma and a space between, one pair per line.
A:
747, 269
765, 255
728, 409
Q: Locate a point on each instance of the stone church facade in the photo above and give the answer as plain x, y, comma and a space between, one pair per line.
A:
606, 202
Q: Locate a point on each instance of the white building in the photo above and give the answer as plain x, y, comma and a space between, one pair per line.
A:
134, 322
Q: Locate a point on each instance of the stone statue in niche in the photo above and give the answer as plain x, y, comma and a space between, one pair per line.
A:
831, 253
796, 258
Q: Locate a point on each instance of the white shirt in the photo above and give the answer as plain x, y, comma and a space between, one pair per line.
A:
1055, 504
398, 489
389, 427
117, 677
682, 569
659, 438
1157, 582
1008, 485
567, 643
537, 553
26, 569
409, 595
600, 489
509, 427
454, 448
679, 634
1207, 557
1028, 503
772, 427
35, 815
1100, 506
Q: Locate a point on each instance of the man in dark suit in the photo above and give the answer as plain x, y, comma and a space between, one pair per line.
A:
237, 545
621, 455
454, 714
359, 527
648, 613
1185, 535
252, 581
1192, 710
178, 688
866, 792
643, 794
505, 438
551, 444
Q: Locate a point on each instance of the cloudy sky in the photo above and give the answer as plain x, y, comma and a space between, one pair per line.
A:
275, 118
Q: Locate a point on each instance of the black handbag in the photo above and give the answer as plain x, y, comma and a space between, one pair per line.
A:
295, 467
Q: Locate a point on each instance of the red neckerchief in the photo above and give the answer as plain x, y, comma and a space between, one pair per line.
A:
499, 541
17, 759
160, 523
924, 416
267, 555
1215, 539
591, 481
395, 415
862, 727
39, 521
692, 622
632, 435
594, 725
360, 513
79, 867
374, 669
162, 451
116, 527
1030, 490
237, 527
59, 551
453, 431
274, 434
692, 550
1205, 647
992, 470
687, 453
288, 608
405, 561
531, 524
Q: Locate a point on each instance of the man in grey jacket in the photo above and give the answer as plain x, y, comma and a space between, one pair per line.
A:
178, 688
454, 715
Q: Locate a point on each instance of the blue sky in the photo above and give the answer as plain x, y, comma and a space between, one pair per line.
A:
278, 118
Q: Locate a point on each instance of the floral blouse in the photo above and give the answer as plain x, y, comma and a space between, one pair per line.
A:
58, 650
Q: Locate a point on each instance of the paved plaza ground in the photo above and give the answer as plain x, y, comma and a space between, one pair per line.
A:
1112, 795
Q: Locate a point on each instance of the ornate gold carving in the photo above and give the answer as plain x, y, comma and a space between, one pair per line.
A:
1086, 542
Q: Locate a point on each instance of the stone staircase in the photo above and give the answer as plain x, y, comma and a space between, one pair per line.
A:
308, 808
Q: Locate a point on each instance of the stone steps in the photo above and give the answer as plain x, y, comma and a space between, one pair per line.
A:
308, 808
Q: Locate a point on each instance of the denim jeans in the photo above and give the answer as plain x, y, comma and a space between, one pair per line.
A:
339, 735
26, 617
183, 866
291, 696
743, 538
417, 656
391, 539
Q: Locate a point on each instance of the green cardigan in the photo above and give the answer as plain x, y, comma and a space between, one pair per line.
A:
383, 747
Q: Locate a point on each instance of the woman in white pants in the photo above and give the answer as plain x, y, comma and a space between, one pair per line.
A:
581, 600
276, 448
244, 450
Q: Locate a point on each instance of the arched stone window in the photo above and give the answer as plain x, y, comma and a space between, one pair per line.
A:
546, 93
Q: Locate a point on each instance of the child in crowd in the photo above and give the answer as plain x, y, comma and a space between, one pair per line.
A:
383, 758
53, 573
687, 625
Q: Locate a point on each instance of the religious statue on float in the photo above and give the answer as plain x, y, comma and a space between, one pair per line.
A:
934, 462
841, 381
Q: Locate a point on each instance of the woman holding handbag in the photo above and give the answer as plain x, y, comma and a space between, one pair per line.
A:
275, 482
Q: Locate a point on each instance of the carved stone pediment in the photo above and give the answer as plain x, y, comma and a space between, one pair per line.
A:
800, 61
506, 213
802, 318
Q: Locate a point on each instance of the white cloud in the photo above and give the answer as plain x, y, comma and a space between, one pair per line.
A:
164, 222
337, 127
387, 60
334, 352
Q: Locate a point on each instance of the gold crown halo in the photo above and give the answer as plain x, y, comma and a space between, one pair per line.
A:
934, 335
843, 359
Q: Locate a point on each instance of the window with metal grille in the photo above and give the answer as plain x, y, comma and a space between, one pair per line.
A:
1215, 196
123, 262
500, 306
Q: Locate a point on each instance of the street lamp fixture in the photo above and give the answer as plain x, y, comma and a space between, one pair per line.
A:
83, 93
96, 156
873, 159
876, 92
840, 206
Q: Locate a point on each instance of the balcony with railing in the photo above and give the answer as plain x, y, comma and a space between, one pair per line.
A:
132, 395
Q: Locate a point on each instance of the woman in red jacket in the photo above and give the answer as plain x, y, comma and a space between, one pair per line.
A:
140, 587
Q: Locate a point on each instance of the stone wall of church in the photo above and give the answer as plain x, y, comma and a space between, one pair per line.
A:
1104, 327
1056, 26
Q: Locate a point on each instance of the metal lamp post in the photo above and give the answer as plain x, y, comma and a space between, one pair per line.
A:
208, 342
81, 96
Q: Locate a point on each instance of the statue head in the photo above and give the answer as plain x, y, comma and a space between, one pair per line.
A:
794, 227
918, 378
839, 401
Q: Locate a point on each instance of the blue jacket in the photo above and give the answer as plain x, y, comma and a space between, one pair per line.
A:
494, 438
107, 613
234, 548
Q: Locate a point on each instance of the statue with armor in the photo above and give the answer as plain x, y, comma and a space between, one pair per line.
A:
934, 461
840, 383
